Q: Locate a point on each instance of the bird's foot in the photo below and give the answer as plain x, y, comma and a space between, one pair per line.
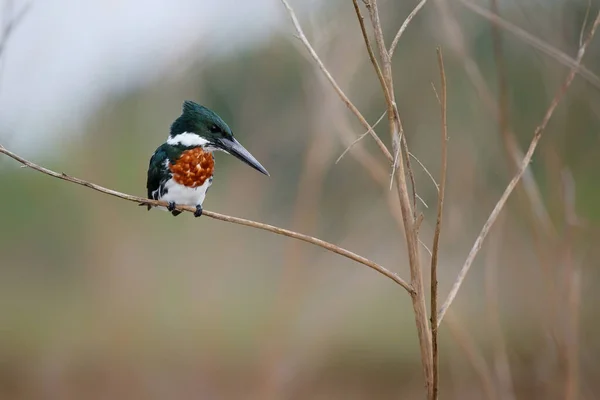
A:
198, 211
171, 206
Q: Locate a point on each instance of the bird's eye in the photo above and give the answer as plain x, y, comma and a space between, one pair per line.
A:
214, 129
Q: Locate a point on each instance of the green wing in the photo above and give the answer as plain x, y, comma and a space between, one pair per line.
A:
157, 172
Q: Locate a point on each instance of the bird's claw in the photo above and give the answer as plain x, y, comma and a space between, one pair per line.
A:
198, 211
171, 206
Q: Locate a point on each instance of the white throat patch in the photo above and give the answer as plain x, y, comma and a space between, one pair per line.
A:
187, 139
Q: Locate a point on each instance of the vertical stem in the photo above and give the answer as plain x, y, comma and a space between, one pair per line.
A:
412, 242
436, 237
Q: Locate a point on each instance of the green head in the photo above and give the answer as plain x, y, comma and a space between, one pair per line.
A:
198, 126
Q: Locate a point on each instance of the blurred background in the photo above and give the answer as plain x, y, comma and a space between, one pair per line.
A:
101, 299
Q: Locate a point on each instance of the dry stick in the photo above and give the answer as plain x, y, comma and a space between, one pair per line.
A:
535, 42
339, 91
397, 131
437, 187
240, 221
404, 26
386, 90
410, 225
530, 187
524, 164
585, 21
361, 137
411, 175
389, 98
387, 85
438, 228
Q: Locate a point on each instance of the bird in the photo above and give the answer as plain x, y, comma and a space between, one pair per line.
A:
180, 171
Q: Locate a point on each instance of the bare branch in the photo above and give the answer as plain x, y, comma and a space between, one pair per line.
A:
404, 26
535, 42
358, 139
339, 91
425, 247
240, 221
421, 200
585, 21
409, 218
386, 86
437, 187
524, 164
411, 175
438, 228
386, 91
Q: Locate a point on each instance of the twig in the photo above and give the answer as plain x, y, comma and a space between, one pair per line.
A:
425, 247
386, 90
438, 228
240, 221
386, 85
411, 175
404, 26
585, 21
524, 164
358, 139
421, 200
409, 219
437, 187
535, 42
339, 91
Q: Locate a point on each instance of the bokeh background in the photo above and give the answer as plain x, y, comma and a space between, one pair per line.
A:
101, 299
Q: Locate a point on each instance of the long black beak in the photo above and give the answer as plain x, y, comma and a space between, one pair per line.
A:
234, 148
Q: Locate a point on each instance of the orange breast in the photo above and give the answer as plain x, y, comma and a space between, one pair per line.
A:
193, 167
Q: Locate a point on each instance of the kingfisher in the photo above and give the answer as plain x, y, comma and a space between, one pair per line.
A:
180, 171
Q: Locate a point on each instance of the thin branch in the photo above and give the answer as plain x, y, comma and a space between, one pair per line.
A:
411, 175
386, 85
358, 139
438, 228
240, 221
386, 91
585, 21
409, 218
437, 187
524, 164
425, 247
534, 42
421, 200
404, 26
339, 91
